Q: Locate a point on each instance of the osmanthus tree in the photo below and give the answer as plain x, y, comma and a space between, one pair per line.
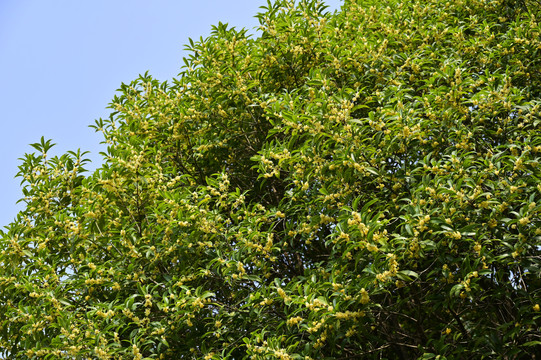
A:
363, 184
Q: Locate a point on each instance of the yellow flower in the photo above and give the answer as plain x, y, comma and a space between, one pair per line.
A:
294, 321
536, 307
371, 247
364, 296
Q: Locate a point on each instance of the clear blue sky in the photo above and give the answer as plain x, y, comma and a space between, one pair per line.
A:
62, 61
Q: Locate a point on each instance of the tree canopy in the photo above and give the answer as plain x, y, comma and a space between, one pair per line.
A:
357, 184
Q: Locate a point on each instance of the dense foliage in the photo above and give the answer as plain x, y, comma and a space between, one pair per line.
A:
363, 184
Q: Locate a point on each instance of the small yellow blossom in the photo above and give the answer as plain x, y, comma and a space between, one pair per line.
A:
364, 296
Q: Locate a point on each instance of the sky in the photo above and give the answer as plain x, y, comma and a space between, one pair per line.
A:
63, 60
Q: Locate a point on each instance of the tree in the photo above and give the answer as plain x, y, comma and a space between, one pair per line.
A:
363, 184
